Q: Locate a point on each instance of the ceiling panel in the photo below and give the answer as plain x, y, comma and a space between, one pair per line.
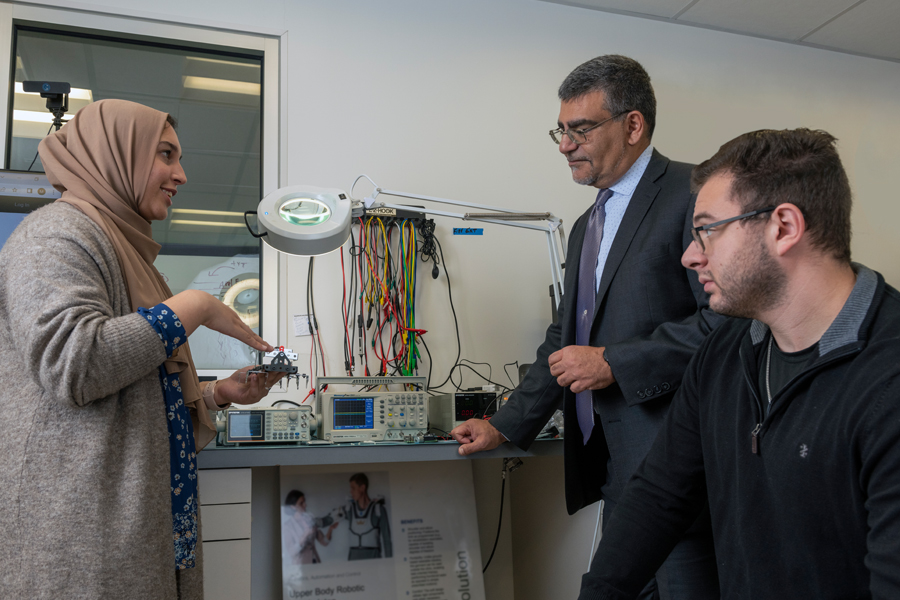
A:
769, 18
870, 28
866, 27
656, 8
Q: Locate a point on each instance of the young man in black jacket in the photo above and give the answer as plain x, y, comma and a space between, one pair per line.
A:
788, 419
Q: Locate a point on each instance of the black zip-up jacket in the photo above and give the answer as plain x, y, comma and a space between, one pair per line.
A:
805, 501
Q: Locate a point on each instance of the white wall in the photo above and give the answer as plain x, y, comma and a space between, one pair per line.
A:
454, 98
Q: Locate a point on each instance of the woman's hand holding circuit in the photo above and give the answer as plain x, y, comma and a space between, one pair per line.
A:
244, 388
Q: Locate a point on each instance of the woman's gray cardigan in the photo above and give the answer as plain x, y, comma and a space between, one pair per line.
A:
85, 509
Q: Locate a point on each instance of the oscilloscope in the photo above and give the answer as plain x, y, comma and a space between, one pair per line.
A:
359, 416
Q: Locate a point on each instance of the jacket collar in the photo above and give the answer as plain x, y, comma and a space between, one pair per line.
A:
849, 326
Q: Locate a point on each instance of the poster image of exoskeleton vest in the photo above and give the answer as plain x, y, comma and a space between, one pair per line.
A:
389, 531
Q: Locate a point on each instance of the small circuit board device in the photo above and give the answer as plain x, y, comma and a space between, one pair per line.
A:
280, 363
372, 415
269, 425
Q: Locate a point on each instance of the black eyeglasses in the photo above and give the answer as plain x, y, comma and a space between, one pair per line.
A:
578, 136
696, 231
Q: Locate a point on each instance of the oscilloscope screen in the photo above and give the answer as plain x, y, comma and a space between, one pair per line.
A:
354, 413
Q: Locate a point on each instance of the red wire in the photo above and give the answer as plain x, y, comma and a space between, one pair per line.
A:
385, 300
382, 300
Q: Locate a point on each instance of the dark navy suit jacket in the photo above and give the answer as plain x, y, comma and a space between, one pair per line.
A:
651, 314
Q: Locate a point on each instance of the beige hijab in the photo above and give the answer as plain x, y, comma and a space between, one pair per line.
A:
101, 161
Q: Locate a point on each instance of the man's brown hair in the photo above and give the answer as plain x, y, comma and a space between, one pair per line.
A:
799, 166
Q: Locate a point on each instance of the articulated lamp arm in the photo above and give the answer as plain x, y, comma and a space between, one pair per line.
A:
551, 225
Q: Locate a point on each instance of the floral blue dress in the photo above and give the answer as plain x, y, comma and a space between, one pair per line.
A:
182, 454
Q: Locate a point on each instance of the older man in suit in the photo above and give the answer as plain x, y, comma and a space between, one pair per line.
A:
631, 316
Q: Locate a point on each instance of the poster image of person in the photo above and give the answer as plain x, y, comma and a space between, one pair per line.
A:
369, 524
300, 531
415, 521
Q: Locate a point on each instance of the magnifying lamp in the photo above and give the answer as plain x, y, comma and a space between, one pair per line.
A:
309, 221
303, 220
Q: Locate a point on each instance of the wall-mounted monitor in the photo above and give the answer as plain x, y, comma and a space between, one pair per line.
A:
20, 193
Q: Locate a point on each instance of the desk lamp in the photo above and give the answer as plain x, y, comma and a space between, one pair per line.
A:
308, 221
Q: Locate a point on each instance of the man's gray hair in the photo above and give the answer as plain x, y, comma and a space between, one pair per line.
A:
622, 80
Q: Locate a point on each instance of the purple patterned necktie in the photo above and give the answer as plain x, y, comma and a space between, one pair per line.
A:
587, 294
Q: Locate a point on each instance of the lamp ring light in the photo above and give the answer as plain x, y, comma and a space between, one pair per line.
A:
303, 220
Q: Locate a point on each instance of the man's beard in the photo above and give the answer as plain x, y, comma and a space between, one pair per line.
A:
589, 178
755, 284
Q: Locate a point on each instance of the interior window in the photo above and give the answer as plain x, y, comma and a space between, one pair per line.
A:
215, 94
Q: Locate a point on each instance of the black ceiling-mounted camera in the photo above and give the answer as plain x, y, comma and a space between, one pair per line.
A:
57, 95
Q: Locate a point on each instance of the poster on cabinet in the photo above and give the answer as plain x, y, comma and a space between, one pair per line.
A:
391, 530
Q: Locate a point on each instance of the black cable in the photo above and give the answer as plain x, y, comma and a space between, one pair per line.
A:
490, 370
371, 283
488, 407
428, 247
313, 322
442, 431
428, 250
507, 372
422, 339
284, 402
363, 284
37, 152
452, 308
499, 521
373, 257
458, 386
344, 311
354, 298
459, 365
313, 355
310, 275
350, 320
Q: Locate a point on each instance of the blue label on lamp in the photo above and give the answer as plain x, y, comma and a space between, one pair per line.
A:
467, 231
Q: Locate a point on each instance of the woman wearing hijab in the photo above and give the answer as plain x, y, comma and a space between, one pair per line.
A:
102, 412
